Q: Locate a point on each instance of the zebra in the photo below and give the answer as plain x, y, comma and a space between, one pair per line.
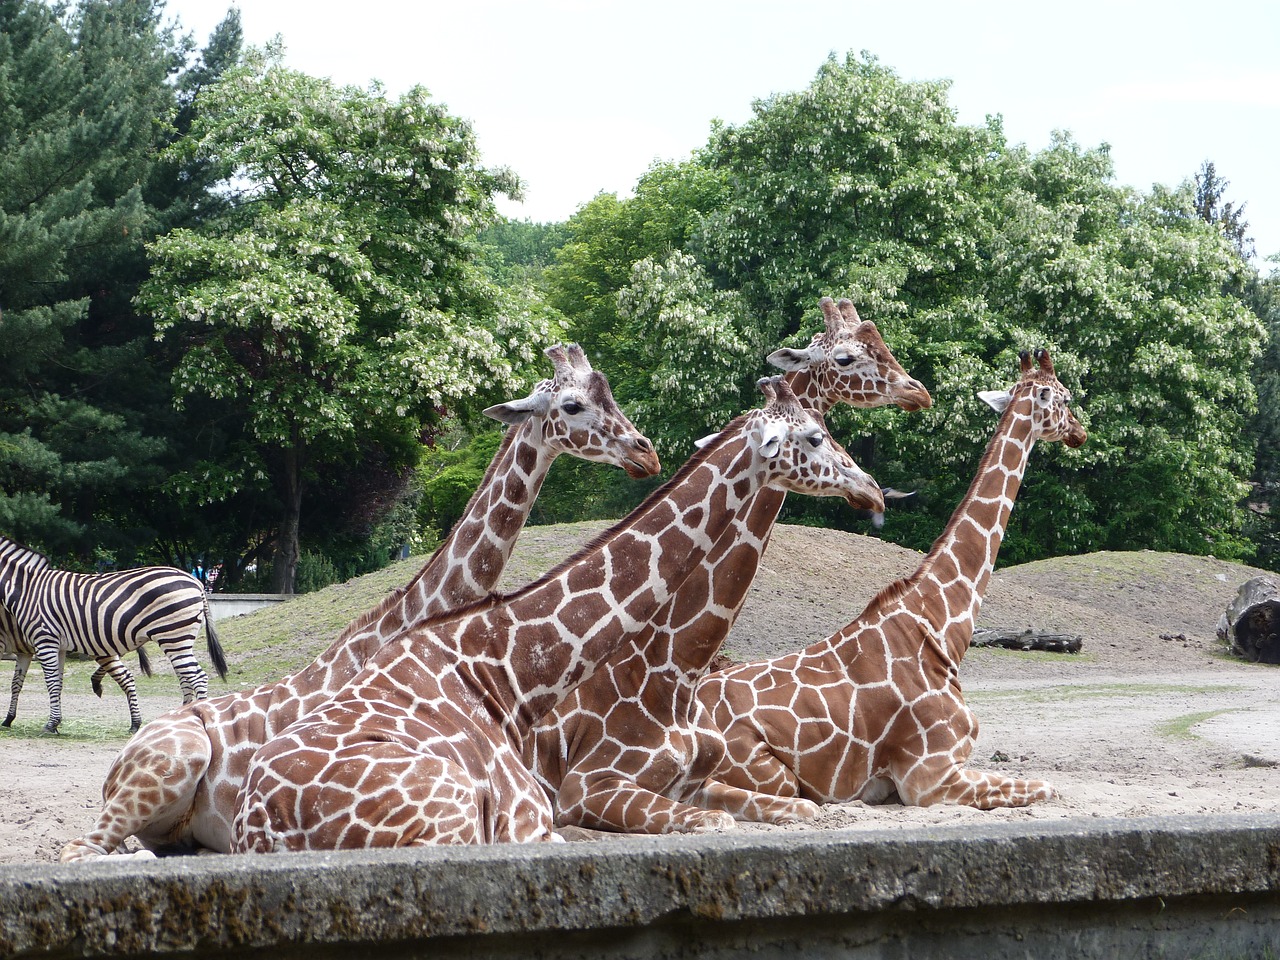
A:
103, 616
12, 642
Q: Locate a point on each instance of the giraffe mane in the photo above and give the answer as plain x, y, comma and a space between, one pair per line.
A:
390, 601
898, 588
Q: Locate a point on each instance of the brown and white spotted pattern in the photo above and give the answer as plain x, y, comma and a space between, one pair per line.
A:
175, 785
625, 751
876, 709
424, 745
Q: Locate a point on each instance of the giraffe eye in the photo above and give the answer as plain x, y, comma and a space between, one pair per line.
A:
844, 359
572, 407
815, 440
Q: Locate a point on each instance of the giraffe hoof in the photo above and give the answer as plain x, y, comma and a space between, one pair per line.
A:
707, 821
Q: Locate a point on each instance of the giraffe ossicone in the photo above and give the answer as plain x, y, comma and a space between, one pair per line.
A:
424, 745
628, 750
876, 709
175, 784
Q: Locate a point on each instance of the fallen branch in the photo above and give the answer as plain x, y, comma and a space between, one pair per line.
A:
1027, 640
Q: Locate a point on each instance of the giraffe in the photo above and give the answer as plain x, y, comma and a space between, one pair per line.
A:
876, 708
424, 745
174, 785
625, 751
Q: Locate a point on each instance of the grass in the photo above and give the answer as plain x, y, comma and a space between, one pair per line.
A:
1065, 692
1179, 728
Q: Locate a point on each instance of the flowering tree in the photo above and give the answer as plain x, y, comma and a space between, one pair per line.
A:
336, 306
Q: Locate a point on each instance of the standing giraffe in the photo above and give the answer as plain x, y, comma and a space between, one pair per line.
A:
624, 751
174, 786
877, 707
424, 746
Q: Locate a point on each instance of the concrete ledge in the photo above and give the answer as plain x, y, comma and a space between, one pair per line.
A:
225, 605
1190, 886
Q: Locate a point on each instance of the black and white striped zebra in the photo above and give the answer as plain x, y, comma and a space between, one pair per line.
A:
12, 642
103, 616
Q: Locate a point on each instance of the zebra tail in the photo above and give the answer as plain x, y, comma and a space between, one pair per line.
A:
215, 645
144, 663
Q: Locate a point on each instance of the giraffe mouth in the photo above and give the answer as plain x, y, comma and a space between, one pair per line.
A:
641, 465
912, 397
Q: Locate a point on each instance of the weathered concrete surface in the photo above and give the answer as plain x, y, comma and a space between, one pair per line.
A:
1185, 887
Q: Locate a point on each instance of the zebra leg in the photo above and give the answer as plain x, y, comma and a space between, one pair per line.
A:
195, 685
121, 675
51, 657
22, 662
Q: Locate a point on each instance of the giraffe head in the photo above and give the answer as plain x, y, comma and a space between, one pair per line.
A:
574, 412
1051, 416
802, 456
849, 363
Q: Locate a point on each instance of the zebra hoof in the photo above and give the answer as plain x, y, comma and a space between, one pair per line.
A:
51, 729
8, 721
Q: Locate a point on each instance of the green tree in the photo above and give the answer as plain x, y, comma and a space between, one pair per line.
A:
337, 307
86, 98
964, 250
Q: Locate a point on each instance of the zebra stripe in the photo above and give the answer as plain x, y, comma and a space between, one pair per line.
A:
104, 616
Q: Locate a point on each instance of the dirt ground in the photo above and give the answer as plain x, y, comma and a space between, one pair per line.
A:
1151, 718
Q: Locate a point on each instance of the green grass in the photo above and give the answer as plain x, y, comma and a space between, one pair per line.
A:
1179, 728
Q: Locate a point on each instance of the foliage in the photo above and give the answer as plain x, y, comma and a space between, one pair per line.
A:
964, 250
87, 98
336, 308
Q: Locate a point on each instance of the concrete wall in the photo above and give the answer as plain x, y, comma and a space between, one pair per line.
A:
1170, 888
224, 605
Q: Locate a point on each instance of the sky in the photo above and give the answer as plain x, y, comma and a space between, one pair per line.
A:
579, 97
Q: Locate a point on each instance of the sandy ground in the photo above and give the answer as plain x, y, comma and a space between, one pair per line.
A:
1151, 718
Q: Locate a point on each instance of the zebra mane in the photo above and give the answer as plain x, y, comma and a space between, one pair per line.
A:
13, 552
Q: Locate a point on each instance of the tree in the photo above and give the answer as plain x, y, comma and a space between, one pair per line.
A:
964, 250
85, 99
336, 308
1209, 206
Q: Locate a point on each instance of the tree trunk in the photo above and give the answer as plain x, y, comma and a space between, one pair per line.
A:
284, 568
1027, 640
1251, 625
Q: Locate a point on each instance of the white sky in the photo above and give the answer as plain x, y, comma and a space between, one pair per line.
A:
579, 96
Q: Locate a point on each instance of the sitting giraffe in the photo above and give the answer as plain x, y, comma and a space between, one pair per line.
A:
623, 752
423, 746
175, 784
877, 707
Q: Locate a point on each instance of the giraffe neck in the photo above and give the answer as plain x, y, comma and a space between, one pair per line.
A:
465, 568
810, 391
470, 562
947, 589
559, 630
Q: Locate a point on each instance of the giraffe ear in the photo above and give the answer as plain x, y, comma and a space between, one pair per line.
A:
705, 440
790, 359
997, 400
518, 411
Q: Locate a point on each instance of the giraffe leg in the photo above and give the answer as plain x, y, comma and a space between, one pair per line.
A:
365, 794
753, 806
22, 661
926, 784
616, 803
149, 789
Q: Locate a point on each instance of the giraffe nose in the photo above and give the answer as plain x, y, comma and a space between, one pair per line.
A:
644, 462
913, 396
